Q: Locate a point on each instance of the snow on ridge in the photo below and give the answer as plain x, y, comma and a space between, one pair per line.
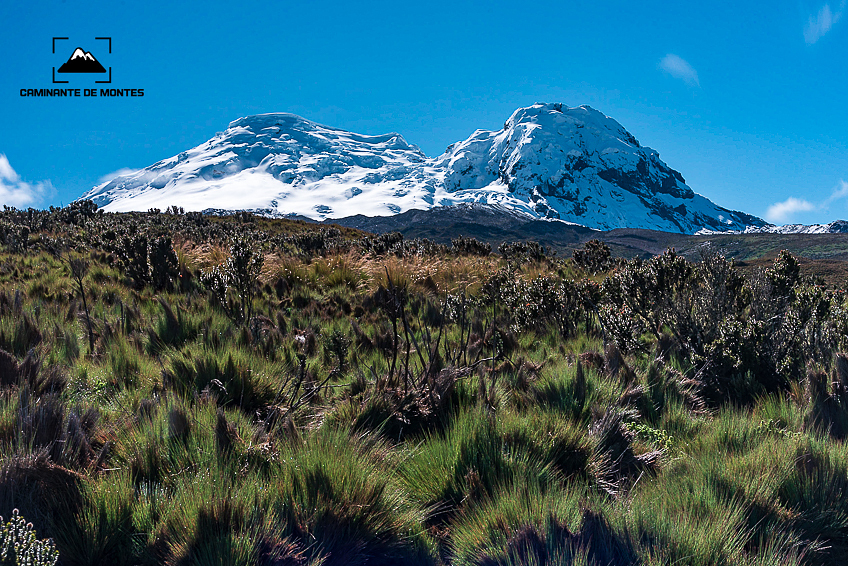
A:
549, 161
835, 227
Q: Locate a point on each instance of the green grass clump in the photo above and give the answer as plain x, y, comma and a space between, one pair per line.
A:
524, 526
340, 491
232, 377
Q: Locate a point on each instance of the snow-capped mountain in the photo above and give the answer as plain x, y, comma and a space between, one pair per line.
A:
835, 227
549, 161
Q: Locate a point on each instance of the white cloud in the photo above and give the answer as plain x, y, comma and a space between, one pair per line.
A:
840, 192
781, 212
6, 171
120, 172
679, 68
15, 192
818, 25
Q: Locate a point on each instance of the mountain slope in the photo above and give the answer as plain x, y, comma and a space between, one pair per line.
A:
578, 165
282, 163
549, 161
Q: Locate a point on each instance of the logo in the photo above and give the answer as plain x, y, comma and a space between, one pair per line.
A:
82, 61
82, 69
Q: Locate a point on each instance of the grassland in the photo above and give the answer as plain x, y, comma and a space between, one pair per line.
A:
178, 389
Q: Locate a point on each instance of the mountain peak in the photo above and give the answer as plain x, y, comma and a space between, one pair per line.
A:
280, 124
555, 116
549, 161
272, 119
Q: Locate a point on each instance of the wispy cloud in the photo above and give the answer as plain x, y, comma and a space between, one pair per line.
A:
819, 24
6, 171
16, 192
119, 173
679, 68
783, 212
840, 192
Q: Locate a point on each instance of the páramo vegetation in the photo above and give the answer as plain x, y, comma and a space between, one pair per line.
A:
178, 389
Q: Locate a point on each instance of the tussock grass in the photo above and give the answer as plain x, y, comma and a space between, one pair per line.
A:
338, 491
522, 525
477, 456
234, 378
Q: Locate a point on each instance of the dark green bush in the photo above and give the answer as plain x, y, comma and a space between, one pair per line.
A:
595, 257
522, 251
470, 246
239, 274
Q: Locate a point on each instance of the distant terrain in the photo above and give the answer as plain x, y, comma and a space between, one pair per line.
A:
825, 254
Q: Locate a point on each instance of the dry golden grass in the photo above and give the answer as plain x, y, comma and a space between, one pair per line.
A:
449, 273
203, 256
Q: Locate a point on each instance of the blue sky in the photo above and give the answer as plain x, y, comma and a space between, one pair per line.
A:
745, 99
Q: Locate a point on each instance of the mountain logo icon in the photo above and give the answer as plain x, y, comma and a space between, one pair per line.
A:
81, 61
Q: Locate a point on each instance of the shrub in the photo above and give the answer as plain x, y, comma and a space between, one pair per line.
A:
313, 242
240, 273
243, 269
132, 255
337, 343
522, 251
645, 296
470, 246
382, 244
163, 263
595, 257
148, 260
19, 545
14, 236
531, 304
